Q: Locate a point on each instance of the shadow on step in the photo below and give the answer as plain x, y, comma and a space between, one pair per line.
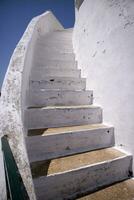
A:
40, 168
34, 132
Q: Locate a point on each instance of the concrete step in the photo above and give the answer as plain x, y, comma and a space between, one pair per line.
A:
55, 42
56, 116
119, 191
67, 36
69, 177
44, 55
55, 64
58, 83
42, 73
46, 48
58, 46
59, 142
47, 52
65, 31
58, 97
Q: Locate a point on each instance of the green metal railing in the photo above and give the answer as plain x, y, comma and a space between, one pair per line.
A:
15, 187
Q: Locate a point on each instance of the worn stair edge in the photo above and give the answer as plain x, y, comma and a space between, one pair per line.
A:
72, 162
67, 129
52, 146
40, 98
120, 191
37, 118
73, 183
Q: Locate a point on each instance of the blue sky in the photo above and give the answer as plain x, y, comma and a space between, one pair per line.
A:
15, 16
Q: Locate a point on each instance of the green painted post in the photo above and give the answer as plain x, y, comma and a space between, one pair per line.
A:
15, 187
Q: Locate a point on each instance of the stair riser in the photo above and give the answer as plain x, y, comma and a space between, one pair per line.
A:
57, 43
41, 73
69, 185
45, 118
66, 32
54, 146
66, 98
54, 49
53, 84
44, 56
56, 64
60, 36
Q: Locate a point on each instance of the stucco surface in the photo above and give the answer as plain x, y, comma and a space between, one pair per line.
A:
13, 98
103, 41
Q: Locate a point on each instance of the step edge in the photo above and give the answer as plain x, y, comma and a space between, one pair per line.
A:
73, 131
51, 91
65, 107
91, 165
59, 78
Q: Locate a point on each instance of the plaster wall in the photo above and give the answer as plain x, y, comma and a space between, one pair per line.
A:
103, 41
14, 93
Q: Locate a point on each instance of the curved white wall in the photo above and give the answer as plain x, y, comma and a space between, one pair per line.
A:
103, 41
14, 90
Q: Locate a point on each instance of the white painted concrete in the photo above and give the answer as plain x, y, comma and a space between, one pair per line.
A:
39, 98
52, 146
63, 49
104, 45
58, 83
55, 63
43, 55
43, 72
64, 34
13, 98
49, 42
70, 184
52, 41
36, 118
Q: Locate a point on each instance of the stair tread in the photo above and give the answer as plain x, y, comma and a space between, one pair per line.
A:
60, 130
120, 191
81, 160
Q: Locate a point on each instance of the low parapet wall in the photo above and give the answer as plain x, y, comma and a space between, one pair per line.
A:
13, 94
103, 41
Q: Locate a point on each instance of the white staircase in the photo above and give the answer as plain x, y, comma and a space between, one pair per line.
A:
71, 152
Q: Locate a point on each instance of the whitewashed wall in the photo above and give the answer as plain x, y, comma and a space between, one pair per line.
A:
103, 41
14, 89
